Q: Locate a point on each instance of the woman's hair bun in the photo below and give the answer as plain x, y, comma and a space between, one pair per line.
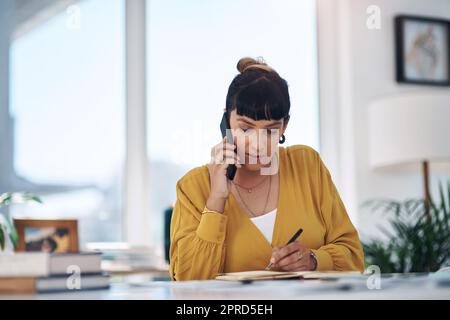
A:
247, 62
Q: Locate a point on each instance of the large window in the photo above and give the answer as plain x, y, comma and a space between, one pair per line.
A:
193, 48
68, 117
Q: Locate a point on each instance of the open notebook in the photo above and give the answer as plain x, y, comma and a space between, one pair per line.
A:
269, 275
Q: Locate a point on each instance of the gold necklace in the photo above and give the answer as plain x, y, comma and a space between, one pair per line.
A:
249, 190
267, 199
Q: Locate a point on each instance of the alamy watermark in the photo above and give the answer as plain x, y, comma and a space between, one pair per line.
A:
73, 21
73, 281
373, 21
254, 146
373, 281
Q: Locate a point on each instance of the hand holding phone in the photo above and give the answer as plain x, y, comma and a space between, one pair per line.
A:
224, 125
221, 171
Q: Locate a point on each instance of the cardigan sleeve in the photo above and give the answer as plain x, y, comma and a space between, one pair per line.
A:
197, 249
342, 250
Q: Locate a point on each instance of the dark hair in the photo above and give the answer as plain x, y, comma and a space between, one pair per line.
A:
61, 232
51, 242
258, 92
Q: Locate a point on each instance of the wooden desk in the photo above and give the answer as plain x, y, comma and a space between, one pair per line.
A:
423, 287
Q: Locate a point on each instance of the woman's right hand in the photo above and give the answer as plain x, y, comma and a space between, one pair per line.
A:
222, 155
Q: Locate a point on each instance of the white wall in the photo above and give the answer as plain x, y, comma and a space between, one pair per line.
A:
357, 66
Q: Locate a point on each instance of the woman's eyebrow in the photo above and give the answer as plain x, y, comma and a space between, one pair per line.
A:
270, 125
276, 123
247, 122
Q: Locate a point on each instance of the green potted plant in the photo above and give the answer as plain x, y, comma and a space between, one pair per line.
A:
8, 234
418, 239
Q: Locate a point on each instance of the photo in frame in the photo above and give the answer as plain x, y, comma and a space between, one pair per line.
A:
53, 236
422, 50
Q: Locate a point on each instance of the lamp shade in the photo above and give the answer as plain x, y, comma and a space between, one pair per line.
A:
410, 128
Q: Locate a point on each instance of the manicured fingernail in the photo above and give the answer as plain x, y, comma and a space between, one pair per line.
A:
272, 260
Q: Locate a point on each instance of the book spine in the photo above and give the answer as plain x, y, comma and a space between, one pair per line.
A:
24, 265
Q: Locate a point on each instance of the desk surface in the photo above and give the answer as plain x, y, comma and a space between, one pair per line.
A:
420, 287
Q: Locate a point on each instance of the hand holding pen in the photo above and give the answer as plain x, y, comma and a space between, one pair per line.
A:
293, 256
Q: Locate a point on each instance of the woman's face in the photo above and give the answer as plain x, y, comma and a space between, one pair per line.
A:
257, 141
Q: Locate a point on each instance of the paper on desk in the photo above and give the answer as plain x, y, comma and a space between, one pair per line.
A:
257, 275
267, 275
332, 274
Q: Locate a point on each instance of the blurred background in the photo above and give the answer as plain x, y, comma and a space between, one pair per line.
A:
105, 104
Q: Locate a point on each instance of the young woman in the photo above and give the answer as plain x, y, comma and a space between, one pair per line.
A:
222, 225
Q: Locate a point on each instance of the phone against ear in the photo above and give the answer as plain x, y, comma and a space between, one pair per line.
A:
224, 125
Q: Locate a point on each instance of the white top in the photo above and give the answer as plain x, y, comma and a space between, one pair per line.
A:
266, 223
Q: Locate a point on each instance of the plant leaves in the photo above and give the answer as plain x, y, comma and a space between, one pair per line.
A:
2, 238
9, 198
417, 241
12, 233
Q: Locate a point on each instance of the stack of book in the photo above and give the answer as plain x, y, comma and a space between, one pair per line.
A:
122, 258
44, 272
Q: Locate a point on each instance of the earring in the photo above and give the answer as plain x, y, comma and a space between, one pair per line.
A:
282, 139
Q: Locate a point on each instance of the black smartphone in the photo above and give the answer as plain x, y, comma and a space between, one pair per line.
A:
224, 125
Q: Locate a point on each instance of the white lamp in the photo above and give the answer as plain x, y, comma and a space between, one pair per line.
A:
410, 128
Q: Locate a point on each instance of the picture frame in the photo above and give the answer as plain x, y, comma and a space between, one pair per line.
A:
53, 236
422, 47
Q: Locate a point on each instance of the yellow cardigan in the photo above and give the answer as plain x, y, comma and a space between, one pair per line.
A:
203, 245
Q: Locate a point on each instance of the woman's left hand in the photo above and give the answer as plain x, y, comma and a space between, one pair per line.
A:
292, 257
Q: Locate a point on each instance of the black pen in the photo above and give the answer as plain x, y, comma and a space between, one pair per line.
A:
294, 237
